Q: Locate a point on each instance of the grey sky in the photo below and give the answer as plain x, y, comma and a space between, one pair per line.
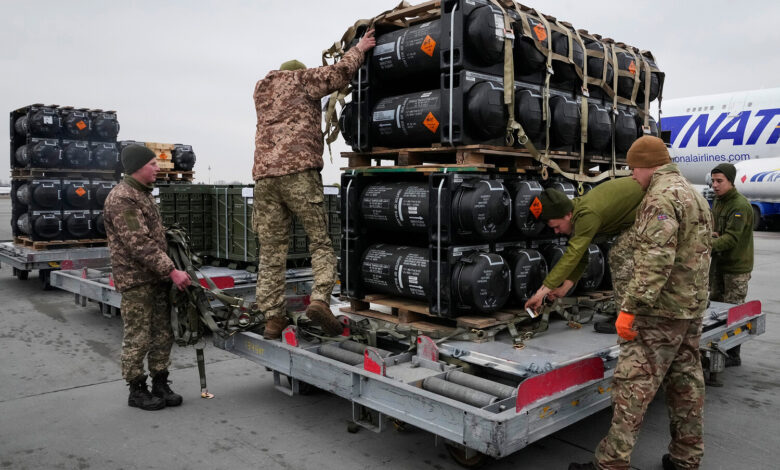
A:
184, 71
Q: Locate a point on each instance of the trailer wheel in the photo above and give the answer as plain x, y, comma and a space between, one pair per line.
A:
44, 275
758, 222
21, 274
466, 457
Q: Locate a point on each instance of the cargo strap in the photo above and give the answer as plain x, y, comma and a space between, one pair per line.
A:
514, 126
337, 51
190, 308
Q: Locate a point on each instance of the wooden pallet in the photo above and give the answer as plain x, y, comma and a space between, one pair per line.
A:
26, 173
164, 154
57, 244
504, 159
181, 176
417, 315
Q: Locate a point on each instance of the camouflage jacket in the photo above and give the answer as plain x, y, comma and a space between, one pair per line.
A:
136, 237
672, 249
289, 115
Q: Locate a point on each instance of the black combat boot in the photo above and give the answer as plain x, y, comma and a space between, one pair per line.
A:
140, 397
582, 466
667, 463
161, 389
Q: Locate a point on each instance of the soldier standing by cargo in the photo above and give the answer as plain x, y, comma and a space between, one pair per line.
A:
288, 161
732, 244
660, 321
608, 209
143, 273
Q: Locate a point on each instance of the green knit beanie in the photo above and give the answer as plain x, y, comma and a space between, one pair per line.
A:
136, 156
292, 65
555, 204
728, 170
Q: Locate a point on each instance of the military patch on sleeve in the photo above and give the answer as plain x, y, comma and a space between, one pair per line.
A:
131, 219
662, 217
738, 214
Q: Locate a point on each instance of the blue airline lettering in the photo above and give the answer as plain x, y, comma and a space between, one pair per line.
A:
766, 116
770, 176
707, 135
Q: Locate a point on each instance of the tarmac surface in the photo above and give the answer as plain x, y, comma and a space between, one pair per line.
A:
63, 404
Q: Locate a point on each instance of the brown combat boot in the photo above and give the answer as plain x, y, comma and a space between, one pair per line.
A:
319, 313
274, 327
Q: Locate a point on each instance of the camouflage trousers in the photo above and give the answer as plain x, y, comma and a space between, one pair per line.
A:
664, 352
621, 265
728, 288
275, 201
146, 316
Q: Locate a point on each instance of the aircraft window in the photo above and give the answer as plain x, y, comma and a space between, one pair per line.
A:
724, 107
712, 107
699, 108
750, 104
688, 110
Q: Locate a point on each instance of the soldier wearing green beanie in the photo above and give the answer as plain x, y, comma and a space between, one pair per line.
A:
732, 246
143, 273
605, 211
286, 171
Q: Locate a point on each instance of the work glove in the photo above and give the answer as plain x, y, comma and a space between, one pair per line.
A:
624, 324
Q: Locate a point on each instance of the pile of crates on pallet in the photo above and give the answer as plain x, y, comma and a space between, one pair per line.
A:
64, 161
176, 161
462, 238
218, 219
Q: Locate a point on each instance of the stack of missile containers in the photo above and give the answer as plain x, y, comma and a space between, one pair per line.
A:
64, 162
468, 242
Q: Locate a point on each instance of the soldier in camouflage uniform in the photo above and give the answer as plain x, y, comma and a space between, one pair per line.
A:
732, 245
143, 273
288, 161
660, 320
607, 210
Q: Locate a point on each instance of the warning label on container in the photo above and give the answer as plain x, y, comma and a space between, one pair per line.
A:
536, 207
431, 122
632, 67
428, 45
81, 192
541, 33
81, 125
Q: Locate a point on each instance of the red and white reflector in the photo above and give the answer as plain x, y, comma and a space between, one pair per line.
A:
557, 380
290, 336
746, 310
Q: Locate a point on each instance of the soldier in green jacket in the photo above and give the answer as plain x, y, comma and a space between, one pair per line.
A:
660, 320
732, 244
607, 210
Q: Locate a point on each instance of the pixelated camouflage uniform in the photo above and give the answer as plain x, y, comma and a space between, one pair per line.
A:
288, 159
668, 294
732, 250
140, 267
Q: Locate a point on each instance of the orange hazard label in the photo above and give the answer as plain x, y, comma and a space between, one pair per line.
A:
163, 156
632, 67
428, 45
81, 125
81, 192
536, 207
431, 122
541, 32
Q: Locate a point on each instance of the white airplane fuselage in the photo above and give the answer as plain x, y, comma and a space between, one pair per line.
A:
730, 127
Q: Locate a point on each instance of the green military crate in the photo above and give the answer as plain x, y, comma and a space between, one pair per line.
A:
183, 221
197, 243
297, 227
168, 218
167, 201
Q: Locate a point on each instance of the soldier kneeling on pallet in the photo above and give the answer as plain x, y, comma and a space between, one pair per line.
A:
288, 160
143, 273
607, 210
